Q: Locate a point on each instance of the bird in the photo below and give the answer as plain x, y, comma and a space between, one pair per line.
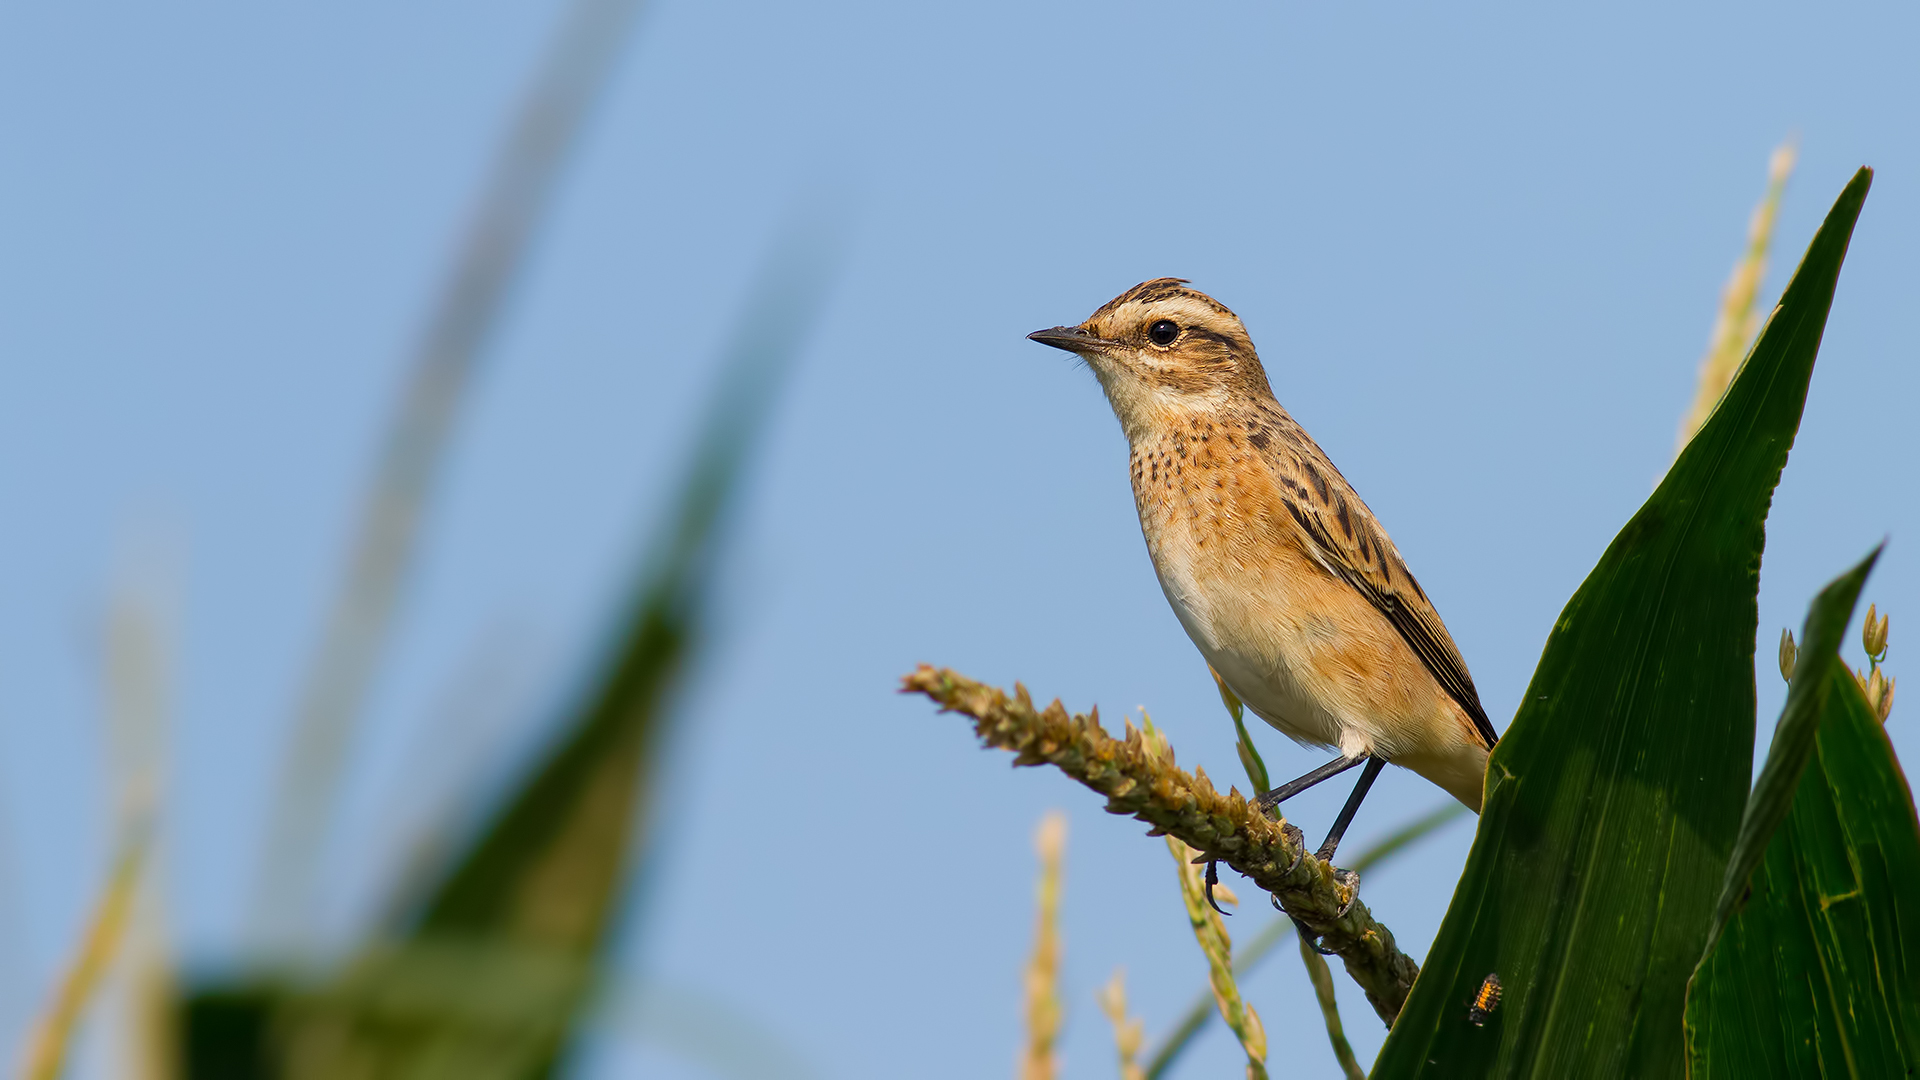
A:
1280, 574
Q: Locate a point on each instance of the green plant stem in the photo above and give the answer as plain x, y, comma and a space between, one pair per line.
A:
1250, 757
1330, 1011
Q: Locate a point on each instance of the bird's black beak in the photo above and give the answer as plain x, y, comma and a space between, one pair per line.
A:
1071, 338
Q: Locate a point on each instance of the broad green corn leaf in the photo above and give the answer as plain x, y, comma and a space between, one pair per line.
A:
1817, 973
1793, 737
1613, 801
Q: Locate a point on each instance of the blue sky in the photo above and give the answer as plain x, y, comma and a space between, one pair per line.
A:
1480, 250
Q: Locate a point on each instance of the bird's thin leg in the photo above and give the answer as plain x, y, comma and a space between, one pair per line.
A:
1367, 777
1288, 790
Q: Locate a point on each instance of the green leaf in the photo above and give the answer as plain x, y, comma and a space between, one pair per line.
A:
1818, 974
1614, 799
1793, 736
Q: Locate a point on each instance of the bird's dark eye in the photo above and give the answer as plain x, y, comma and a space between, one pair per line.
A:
1163, 332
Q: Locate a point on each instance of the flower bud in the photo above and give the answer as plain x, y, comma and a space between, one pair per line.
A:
1788, 652
1886, 701
1876, 690
1874, 634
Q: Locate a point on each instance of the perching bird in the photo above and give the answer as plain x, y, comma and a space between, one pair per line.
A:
1278, 571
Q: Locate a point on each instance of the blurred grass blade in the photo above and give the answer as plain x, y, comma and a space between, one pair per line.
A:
1793, 737
138, 666
492, 978
575, 72
1322, 978
1739, 319
47, 1046
703, 1030
1818, 972
1258, 947
1614, 798
1407, 835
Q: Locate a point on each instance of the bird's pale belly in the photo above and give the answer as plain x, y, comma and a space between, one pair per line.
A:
1261, 645
1302, 649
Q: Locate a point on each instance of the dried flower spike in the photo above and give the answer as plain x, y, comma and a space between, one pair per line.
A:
1138, 777
1129, 1034
1038, 1061
1738, 321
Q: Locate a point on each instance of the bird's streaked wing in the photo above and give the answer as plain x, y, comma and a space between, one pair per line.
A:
1352, 546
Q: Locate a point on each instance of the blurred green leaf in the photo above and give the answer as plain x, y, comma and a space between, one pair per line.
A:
1818, 973
493, 976
226, 1030
1614, 799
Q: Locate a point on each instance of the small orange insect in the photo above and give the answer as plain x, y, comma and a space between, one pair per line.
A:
1485, 1000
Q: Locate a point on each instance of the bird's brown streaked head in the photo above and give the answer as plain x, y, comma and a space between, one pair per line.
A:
1162, 346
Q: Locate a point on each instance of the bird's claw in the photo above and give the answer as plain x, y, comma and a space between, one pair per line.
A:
1312, 939
1350, 881
1213, 878
1299, 840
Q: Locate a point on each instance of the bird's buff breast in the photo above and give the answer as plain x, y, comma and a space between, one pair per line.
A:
1249, 599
